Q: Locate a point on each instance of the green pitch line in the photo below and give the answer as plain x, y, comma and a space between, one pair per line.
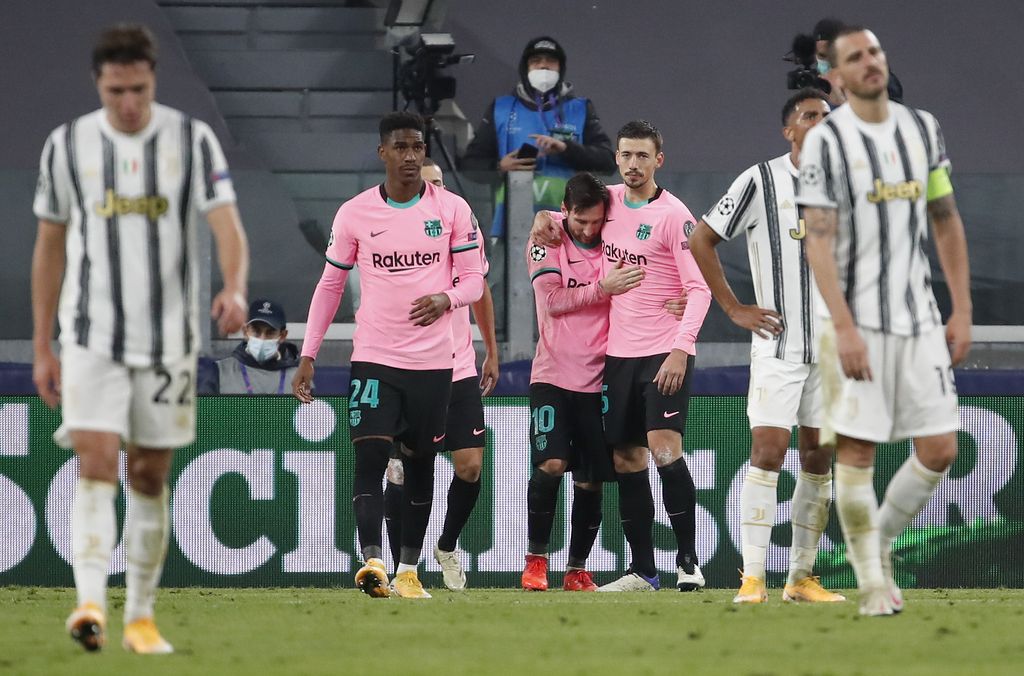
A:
271, 631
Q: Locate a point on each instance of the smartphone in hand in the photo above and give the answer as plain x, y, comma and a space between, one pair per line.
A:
527, 152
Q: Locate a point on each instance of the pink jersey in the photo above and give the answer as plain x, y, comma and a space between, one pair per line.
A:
462, 334
572, 313
653, 236
404, 251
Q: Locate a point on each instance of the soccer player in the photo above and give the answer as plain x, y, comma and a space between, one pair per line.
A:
785, 386
871, 177
565, 381
409, 238
118, 197
650, 354
464, 432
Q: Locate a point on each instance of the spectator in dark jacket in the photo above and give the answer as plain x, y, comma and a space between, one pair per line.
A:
263, 363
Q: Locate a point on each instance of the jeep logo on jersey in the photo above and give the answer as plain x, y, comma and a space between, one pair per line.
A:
644, 231
614, 254
904, 190
432, 228
117, 205
397, 261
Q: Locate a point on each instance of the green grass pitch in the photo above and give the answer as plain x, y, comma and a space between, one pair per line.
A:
314, 631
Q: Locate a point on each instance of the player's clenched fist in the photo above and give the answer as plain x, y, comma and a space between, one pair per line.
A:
427, 309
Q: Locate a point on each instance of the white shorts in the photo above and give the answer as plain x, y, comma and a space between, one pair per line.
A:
147, 407
783, 393
912, 393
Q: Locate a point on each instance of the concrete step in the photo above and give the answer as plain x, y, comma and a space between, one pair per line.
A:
289, 151
301, 69
337, 20
205, 42
234, 103
243, 127
327, 185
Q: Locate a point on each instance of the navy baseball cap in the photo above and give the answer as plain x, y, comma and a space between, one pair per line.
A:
268, 312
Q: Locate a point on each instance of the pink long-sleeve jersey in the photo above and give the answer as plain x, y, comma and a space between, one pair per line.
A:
404, 251
653, 235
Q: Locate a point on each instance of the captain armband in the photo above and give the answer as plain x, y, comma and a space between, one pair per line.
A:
939, 184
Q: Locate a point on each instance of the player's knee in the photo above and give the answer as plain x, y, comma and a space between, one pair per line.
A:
554, 467
665, 455
816, 460
469, 464
629, 460
588, 486
396, 472
767, 457
938, 456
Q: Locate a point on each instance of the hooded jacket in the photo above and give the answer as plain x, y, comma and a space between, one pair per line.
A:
242, 374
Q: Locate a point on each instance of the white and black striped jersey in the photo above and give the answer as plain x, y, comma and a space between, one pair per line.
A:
130, 204
761, 204
876, 175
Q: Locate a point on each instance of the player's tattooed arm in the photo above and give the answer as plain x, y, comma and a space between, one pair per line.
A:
951, 246
765, 323
822, 225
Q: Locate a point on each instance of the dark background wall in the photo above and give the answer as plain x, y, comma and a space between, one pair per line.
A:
711, 75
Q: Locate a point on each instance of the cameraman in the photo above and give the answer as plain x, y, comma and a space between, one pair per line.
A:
543, 112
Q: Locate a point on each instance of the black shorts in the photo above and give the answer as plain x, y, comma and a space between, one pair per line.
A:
465, 425
566, 425
634, 405
409, 406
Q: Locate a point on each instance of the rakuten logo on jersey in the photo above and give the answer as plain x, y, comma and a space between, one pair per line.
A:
397, 261
614, 254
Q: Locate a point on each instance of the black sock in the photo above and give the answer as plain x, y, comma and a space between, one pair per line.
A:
367, 495
393, 499
681, 504
636, 507
585, 519
541, 498
462, 497
419, 498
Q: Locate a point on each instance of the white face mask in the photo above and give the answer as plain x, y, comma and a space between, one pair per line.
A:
543, 80
262, 349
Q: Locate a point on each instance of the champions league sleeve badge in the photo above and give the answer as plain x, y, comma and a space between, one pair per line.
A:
538, 253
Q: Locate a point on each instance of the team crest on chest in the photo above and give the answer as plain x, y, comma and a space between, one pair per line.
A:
432, 227
644, 231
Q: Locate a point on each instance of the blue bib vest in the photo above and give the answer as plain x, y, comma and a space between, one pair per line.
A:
513, 124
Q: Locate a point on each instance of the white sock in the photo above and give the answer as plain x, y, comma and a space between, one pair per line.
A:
811, 500
406, 567
908, 492
757, 513
857, 506
93, 535
146, 531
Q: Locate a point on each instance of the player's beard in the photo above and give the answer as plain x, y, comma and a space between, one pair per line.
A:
635, 182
